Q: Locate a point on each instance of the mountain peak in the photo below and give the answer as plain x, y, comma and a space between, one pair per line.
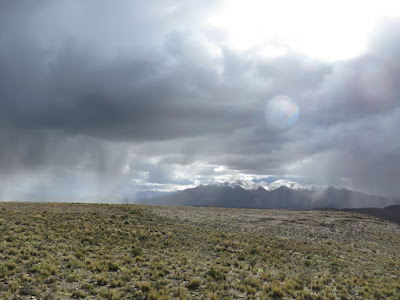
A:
289, 184
244, 184
251, 186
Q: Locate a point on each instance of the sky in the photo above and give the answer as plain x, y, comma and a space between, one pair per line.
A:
105, 99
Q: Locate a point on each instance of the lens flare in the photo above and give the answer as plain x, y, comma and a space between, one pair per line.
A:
281, 112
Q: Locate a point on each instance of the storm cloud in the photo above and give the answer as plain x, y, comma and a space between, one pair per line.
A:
101, 100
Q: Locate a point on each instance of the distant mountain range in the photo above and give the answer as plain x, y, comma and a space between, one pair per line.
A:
252, 186
281, 194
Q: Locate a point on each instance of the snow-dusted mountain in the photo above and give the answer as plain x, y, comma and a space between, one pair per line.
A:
278, 194
252, 186
291, 185
244, 184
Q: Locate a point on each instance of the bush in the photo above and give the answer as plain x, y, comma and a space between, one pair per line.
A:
28, 291
194, 283
53, 269
113, 267
276, 292
78, 294
101, 280
137, 252
116, 283
255, 251
216, 275
145, 286
79, 255
10, 266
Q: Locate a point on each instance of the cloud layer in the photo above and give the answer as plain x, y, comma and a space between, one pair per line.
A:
103, 101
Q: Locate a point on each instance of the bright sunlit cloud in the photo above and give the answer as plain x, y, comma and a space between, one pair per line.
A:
325, 30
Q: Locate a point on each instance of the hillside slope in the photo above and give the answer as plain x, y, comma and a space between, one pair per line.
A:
93, 251
391, 213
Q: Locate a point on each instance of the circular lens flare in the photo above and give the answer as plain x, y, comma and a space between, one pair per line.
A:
281, 112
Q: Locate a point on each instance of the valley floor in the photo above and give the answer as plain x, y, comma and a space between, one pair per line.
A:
100, 251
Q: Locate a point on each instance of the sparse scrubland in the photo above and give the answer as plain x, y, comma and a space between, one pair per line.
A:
93, 251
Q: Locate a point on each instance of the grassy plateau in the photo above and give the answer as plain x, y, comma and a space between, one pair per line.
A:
100, 251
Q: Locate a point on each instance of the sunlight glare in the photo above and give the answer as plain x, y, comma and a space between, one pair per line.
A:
328, 31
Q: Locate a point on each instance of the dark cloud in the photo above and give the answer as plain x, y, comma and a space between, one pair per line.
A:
95, 100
